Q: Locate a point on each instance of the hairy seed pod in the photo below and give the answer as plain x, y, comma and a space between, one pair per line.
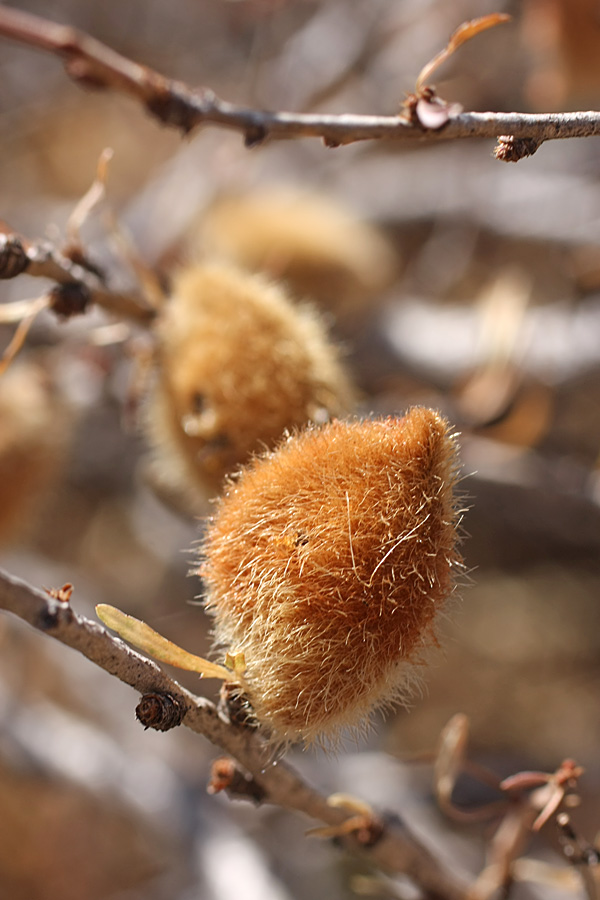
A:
327, 564
238, 364
320, 249
35, 434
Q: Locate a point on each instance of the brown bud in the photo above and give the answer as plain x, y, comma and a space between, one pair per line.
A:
512, 149
225, 775
69, 299
13, 256
161, 711
327, 565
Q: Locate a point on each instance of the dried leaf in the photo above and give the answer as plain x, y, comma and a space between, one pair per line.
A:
463, 33
468, 30
91, 198
450, 758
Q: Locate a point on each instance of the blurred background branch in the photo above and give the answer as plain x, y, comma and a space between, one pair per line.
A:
96, 66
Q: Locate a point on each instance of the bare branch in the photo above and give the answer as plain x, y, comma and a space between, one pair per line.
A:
94, 65
396, 851
42, 259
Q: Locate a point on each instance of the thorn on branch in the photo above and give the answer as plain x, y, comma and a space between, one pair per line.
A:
160, 711
512, 149
226, 776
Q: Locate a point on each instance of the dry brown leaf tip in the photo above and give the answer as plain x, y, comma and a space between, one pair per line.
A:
424, 107
327, 565
460, 36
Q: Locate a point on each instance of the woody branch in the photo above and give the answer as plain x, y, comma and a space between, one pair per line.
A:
42, 259
94, 65
397, 850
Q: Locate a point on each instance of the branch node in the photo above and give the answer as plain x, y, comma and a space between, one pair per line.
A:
367, 830
171, 105
234, 706
54, 614
160, 711
69, 299
226, 776
75, 253
512, 149
84, 73
13, 256
255, 135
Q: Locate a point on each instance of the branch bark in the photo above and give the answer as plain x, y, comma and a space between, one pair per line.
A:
396, 851
94, 65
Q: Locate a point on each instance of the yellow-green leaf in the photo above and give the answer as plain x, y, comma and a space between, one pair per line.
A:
143, 637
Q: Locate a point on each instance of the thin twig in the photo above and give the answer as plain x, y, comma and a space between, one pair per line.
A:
95, 65
397, 850
42, 259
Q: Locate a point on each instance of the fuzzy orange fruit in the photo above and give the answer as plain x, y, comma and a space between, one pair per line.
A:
327, 564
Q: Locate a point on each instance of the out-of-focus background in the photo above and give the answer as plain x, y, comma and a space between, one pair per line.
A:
492, 314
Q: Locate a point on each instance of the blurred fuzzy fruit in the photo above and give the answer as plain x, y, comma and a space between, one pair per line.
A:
318, 247
237, 365
35, 431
